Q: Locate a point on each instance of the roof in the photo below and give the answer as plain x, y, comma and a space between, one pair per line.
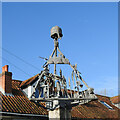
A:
29, 81
95, 109
115, 99
19, 103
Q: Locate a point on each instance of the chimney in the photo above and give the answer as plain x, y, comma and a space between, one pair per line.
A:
6, 80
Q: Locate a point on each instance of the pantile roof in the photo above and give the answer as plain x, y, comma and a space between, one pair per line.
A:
95, 109
115, 99
19, 103
16, 91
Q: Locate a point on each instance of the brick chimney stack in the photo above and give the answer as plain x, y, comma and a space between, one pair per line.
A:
6, 80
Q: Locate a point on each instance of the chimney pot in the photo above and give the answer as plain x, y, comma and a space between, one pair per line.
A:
5, 68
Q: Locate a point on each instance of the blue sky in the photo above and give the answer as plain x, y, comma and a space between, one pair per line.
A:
90, 39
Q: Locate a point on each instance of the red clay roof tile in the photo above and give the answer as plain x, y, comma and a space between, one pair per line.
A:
20, 104
94, 109
115, 99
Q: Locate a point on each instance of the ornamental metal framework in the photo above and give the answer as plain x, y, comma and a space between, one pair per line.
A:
53, 89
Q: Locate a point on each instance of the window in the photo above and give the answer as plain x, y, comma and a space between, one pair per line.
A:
108, 106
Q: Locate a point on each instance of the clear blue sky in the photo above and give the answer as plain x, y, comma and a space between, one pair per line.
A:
90, 39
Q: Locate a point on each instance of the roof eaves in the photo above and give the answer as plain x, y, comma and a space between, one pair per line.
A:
20, 114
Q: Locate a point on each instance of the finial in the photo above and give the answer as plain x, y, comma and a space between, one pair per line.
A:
56, 32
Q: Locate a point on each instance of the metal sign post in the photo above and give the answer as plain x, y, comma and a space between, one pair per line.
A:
58, 99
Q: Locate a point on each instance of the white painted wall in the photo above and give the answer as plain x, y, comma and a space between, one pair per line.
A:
28, 91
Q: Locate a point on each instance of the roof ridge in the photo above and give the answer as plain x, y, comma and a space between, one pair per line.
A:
115, 96
102, 95
17, 80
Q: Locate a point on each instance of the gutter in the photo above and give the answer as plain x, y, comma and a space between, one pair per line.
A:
19, 114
